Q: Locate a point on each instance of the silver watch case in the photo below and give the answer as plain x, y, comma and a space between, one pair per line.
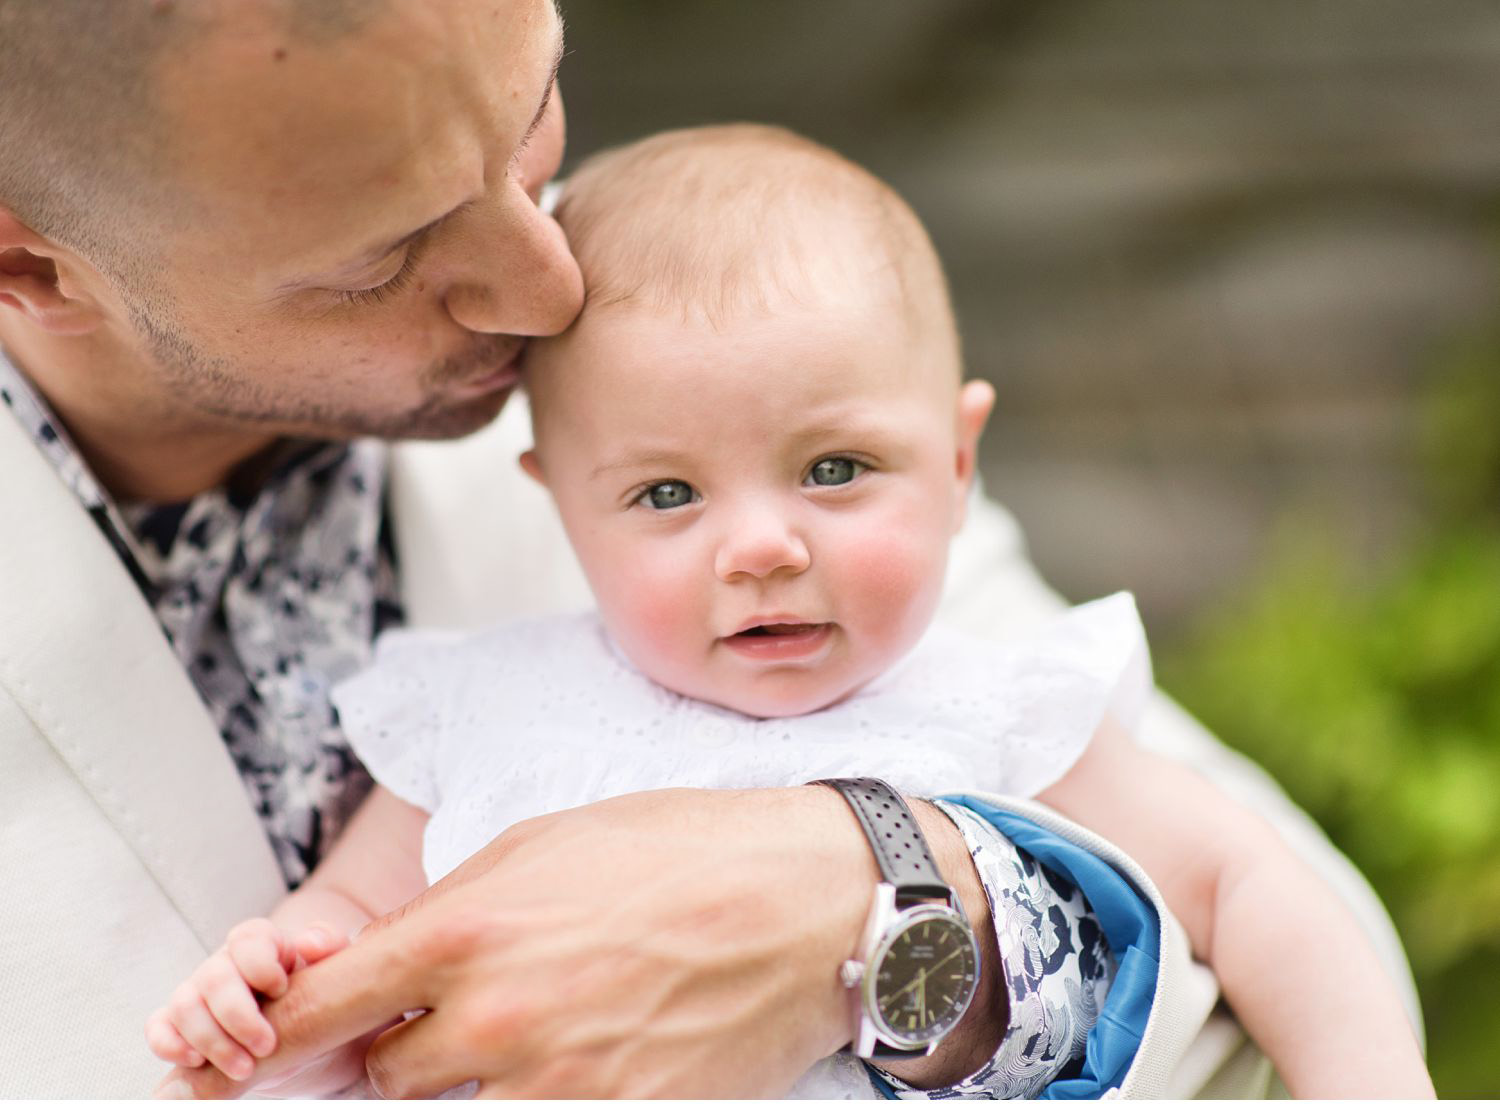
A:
886, 922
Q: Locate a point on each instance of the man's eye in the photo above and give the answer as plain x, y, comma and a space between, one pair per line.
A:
831, 472
391, 287
667, 495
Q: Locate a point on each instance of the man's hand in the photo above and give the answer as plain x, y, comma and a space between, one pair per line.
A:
671, 943
678, 942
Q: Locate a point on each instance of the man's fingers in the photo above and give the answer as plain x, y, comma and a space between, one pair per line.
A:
420, 1058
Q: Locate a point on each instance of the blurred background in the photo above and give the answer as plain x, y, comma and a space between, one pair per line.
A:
1232, 268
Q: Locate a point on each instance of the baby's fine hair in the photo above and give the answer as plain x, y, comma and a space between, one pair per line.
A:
734, 219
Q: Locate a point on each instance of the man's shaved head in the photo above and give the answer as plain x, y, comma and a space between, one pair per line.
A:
227, 221
75, 112
85, 154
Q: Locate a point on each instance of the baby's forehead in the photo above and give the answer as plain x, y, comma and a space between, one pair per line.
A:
797, 261
631, 361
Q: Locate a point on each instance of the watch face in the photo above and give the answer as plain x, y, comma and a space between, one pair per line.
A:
924, 978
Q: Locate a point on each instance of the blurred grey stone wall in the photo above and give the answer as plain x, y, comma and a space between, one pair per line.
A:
1205, 249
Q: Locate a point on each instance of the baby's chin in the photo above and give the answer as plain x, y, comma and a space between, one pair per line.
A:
768, 690
773, 700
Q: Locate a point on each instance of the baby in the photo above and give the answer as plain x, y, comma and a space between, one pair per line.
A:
759, 443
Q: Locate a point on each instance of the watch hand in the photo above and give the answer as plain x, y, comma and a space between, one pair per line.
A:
898, 992
922, 976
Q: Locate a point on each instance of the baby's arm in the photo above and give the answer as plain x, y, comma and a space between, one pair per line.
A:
1292, 961
215, 1015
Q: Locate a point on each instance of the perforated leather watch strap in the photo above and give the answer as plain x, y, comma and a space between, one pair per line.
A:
901, 853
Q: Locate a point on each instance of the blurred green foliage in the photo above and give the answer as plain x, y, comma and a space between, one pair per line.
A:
1375, 700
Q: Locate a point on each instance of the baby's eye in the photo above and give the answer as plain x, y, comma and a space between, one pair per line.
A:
830, 472
667, 495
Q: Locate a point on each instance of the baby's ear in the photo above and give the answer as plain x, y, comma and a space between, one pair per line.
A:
975, 401
532, 465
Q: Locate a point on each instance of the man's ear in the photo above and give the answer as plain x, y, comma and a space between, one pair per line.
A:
31, 284
975, 401
531, 464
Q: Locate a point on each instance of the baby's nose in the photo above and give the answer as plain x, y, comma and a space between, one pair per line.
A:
759, 547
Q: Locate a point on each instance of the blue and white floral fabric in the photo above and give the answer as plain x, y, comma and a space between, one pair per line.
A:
1058, 969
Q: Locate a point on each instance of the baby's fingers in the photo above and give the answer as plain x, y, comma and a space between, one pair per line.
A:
168, 1044
189, 1013
233, 1005
318, 942
262, 955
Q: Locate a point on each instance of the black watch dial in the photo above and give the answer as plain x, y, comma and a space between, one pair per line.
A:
925, 980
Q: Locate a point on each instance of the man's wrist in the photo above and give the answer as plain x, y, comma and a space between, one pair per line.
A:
971, 1045
849, 885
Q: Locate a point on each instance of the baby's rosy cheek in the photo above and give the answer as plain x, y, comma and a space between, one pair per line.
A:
654, 617
893, 578
659, 625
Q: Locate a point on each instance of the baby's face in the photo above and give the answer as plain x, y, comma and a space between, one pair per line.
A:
763, 511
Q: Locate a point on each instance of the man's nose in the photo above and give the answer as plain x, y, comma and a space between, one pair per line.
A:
759, 544
519, 276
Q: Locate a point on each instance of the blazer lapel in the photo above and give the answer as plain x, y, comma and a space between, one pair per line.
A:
82, 654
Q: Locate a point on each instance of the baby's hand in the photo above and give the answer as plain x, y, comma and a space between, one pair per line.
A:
214, 1015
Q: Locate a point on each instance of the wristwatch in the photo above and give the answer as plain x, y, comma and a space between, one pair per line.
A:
918, 963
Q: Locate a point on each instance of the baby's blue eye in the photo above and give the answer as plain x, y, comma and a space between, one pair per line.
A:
667, 495
830, 472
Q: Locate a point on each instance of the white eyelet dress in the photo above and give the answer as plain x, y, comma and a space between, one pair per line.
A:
484, 730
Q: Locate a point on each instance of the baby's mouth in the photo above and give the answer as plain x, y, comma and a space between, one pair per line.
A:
771, 629
781, 641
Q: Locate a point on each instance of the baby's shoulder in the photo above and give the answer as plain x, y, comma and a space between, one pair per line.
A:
1098, 636
521, 646
511, 665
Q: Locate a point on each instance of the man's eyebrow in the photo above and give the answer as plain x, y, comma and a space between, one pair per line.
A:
384, 250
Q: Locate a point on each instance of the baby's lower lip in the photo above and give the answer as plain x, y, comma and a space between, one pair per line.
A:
780, 642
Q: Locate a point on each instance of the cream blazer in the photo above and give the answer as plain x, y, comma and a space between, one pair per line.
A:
128, 847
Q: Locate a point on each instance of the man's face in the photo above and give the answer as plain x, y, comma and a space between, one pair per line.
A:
358, 249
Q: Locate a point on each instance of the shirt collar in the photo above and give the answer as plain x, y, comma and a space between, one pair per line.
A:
135, 527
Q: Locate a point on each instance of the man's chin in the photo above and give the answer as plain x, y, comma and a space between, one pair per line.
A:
436, 420
451, 420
